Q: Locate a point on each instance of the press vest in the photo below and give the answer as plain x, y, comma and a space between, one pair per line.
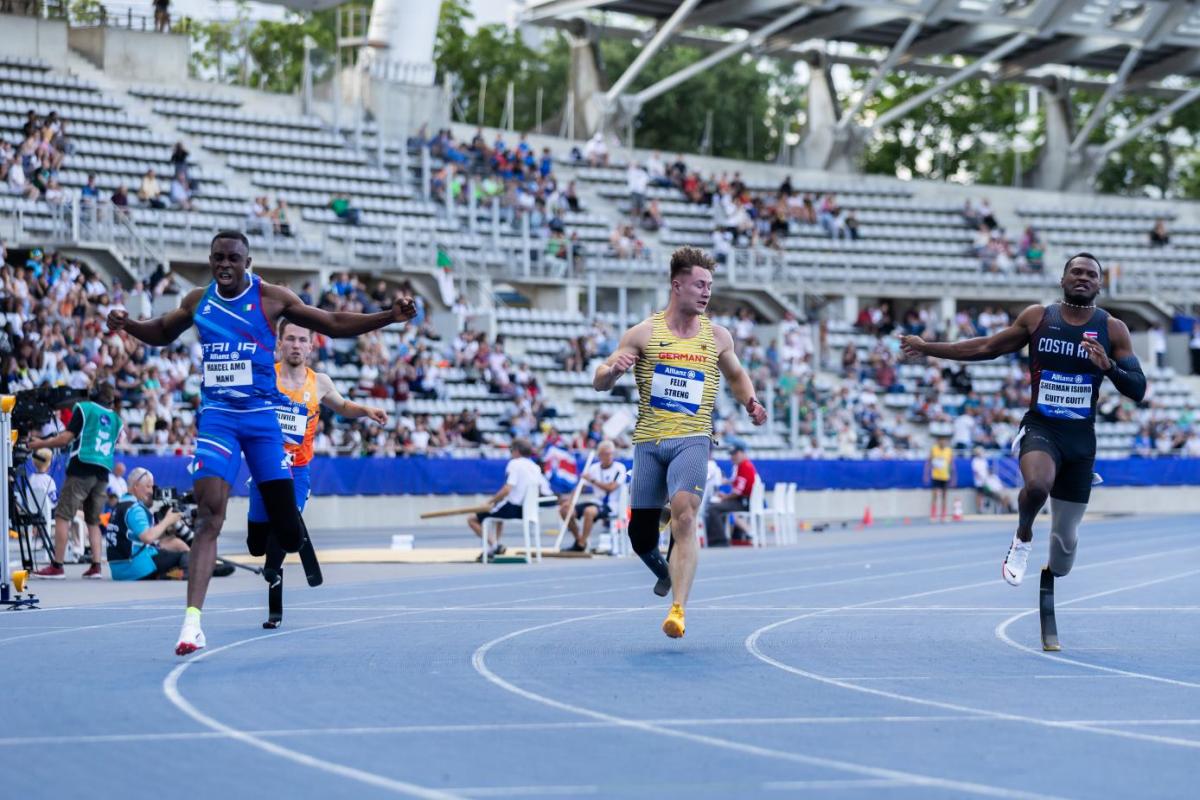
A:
97, 438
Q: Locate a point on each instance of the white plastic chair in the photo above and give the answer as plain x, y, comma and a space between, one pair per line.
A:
758, 513
792, 511
531, 527
777, 514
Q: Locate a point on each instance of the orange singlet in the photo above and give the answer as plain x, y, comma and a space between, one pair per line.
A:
298, 421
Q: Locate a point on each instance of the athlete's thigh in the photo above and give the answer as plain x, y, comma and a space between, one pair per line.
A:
262, 444
688, 467
648, 487
1074, 480
218, 449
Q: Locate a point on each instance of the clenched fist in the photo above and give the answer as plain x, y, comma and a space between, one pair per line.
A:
404, 309
912, 346
378, 415
757, 412
117, 319
622, 362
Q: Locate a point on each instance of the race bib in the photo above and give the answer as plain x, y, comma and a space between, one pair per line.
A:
677, 389
237, 372
292, 423
1065, 395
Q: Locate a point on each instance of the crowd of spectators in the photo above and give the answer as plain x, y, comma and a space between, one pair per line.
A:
53, 334
30, 165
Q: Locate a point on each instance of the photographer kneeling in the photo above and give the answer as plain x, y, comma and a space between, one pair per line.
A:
137, 550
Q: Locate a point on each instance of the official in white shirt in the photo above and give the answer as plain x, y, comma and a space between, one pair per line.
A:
601, 482
521, 475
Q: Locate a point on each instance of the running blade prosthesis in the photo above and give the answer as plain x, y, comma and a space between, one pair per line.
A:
1046, 612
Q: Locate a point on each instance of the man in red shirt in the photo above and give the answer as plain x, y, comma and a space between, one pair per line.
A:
744, 476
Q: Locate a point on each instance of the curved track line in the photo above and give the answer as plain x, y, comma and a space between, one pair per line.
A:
1002, 634
479, 662
752, 646
170, 688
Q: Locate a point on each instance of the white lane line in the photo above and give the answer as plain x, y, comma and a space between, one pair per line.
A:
170, 688
55, 631
479, 661
1002, 634
510, 727
752, 646
525, 791
826, 786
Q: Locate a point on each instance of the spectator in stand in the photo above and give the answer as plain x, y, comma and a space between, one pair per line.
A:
1159, 236
54, 196
625, 242
637, 179
652, 217
149, 192
162, 16
1157, 339
736, 500
986, 217
89, 195
1194, 346
181, 194
343, 210
596, 151
280, 218
258, 216
971, 216
120, 200
830, 217
850, 223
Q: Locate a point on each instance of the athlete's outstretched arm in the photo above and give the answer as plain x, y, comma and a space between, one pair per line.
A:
160, 331
981, 348
338, 324
739, 380
332, 399
1123, 369
623, 358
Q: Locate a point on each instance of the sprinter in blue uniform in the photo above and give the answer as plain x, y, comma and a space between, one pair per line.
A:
236, 317
1073, 347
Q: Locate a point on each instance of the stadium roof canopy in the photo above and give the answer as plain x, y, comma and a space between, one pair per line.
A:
1097, 35
305, 5
1118, 45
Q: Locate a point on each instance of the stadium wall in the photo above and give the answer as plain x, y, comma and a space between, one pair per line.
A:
400, 489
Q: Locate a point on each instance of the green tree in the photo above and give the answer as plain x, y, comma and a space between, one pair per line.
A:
503, 57
750, 100
967, 133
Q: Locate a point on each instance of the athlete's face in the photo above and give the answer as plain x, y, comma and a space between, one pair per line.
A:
295, 345
693, 290
229, 259
1081, 281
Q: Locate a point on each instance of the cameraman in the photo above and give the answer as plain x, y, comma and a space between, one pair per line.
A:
137, 550
92, 433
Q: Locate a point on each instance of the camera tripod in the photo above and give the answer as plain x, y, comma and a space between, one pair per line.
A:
9, 599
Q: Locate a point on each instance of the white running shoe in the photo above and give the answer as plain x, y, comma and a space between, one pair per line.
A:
191, 637
1015, 562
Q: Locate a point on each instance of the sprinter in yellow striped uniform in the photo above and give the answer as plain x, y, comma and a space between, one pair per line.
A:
940, 473
676, 355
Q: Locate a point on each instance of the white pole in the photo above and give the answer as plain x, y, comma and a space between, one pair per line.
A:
562, 531
6, 407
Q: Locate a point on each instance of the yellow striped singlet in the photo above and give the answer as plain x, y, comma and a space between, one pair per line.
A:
677, 382
939, 458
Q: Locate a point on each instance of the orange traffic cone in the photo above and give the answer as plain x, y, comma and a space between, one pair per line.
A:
958, 511
868, 520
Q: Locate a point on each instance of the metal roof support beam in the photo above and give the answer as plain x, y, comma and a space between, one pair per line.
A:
753, 40
1110, 94
885, 67
967, 72
1185, 99
653, 46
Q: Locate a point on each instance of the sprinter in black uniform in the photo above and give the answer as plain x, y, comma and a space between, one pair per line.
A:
1073, 346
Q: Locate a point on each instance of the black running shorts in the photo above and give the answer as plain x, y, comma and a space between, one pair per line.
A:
1073, 448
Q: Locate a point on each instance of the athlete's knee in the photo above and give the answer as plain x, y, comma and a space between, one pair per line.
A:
684, 508
643, 530
590, 513
1038, 489
257, 534
279, 499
